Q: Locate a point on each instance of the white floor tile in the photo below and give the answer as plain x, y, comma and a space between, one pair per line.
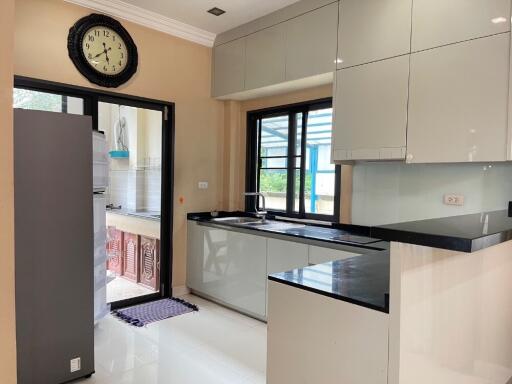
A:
214, 345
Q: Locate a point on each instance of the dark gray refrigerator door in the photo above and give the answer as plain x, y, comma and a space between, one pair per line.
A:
54, 246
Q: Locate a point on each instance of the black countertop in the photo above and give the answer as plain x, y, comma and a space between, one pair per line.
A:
334, 234
466, 233
360, 280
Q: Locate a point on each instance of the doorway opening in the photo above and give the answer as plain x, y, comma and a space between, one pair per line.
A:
137, 199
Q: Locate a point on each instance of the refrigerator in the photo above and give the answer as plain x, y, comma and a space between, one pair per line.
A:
54, 246
100, 161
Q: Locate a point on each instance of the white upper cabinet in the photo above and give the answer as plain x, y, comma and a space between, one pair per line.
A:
311, 43
458, 102
371, 111
229, 68
265, 57
440, 22
371, 30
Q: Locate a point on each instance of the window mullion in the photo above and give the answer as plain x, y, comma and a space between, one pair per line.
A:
302, 198
290, 184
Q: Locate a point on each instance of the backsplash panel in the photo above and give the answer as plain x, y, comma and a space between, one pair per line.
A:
392, 192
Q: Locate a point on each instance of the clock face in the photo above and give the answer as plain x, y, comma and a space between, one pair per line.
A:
105, 50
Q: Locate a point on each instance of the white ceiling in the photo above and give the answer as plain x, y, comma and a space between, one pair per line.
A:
193, 12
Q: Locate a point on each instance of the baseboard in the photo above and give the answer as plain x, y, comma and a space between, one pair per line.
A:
180, 290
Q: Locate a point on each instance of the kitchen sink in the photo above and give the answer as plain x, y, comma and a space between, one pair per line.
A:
238, 220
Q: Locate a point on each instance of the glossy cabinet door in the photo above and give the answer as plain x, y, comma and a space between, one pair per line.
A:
228, 266
244, 274
371, 30
371, 111
229, 68
440, 22
311, 43
265, 57
458, 102
284, 255
320, 255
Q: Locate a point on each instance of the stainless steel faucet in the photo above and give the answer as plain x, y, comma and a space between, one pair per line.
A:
262, 214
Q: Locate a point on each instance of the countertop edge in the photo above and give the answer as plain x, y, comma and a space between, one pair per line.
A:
331, 295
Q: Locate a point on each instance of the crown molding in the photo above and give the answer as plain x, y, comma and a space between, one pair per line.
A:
149, 19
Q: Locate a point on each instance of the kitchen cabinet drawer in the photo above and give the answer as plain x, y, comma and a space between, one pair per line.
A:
284, 255
371, 111
458, 102
440, 22
311, 43
229, 68
371, 30
265, 57
320, 255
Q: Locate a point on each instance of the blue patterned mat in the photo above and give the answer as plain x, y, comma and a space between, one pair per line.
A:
144, 314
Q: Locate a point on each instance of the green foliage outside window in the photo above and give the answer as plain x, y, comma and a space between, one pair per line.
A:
276, 181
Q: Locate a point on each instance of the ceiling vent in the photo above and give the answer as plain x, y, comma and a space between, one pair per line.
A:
216, 11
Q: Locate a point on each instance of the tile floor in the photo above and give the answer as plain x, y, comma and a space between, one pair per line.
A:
121, 288
214, 345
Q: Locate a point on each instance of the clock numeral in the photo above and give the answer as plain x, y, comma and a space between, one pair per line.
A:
89, 56
120, 63
114, 68
122, 55
96, 32
113, 37
106, 33
91, 37
120, 46
105, 68
87, 45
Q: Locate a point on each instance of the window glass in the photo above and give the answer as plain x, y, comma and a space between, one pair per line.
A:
45, 101
320, 173
311, 187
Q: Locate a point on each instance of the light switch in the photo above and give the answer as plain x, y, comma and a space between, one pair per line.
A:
451, 199
203, 185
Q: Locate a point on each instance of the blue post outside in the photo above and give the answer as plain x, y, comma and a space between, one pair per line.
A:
313, 168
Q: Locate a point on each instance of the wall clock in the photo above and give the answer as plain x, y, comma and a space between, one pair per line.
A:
102, 50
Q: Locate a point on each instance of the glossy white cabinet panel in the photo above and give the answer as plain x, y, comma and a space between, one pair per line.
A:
371, 30
441, 22
458, 102
371, 110
229, 68
284, 255
313, 338
320, 255
228, 266
245, 272
311, 43
265, 57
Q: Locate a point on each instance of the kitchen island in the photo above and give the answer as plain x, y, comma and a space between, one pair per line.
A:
449, 317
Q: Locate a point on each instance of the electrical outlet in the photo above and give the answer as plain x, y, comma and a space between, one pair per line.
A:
203, 185
76, 364
452, 199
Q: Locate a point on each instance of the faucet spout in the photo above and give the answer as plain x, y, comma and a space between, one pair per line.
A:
263, 213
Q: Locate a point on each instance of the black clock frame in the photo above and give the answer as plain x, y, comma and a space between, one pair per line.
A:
75, 39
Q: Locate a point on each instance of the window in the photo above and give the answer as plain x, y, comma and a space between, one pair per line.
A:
44, 101
289, 153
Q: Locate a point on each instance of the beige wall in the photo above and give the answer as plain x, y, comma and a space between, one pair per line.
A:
7, 325
170, 69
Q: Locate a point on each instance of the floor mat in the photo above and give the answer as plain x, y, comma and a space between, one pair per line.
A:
144, 314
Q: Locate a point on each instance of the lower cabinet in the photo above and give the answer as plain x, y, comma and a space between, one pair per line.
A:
317, 339
149, 262
130, 257
232, 267
319, 255
285, 255
228, 266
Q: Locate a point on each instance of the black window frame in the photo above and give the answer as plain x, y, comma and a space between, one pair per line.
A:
253, 160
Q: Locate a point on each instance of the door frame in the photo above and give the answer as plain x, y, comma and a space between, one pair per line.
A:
92, 97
